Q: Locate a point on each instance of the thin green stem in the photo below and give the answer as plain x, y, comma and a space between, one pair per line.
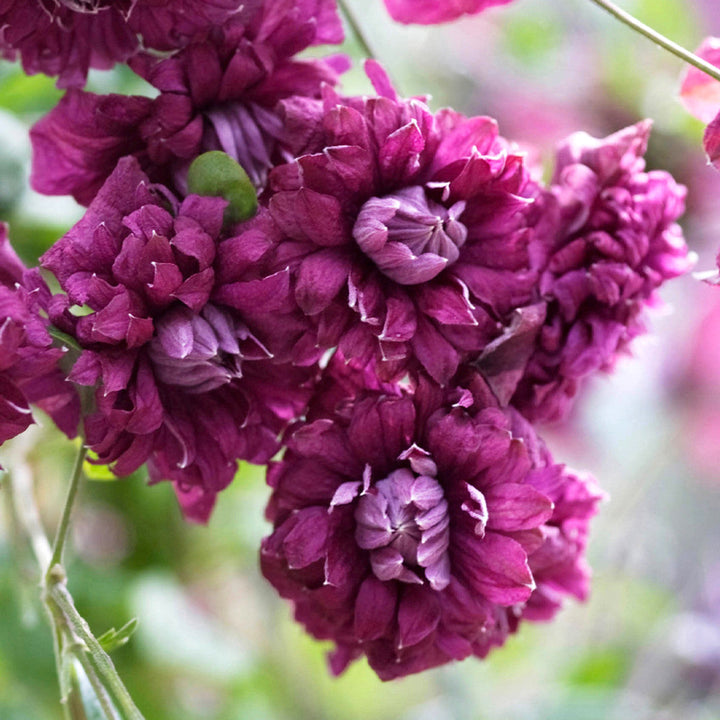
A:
659, 39
355, 27
81, 656
98, 660
64, 525
71, 632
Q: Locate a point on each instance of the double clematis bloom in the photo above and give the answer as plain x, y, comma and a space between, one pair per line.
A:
431, 12
29, 370
65, 38
416, 530
219, 92
605, 240
422, 247
187, 365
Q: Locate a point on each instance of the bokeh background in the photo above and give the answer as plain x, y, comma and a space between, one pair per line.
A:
215, 643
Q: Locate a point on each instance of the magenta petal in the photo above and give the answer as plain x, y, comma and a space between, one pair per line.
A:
15, 414
398, 155
374, 609
448, 304
500, 571
264, 295
699, 92
400, 320
196, 503
418, 615
320, 278
77, 145
504, 360
398, 263
431, 12
305, 543
434, 352
297, 214
517, 507
711, 141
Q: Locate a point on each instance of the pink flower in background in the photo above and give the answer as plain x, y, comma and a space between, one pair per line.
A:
185, 381
29, 371
406, 231
218, 92
700, 94
430, 12
417, 531
65, 38
606, 239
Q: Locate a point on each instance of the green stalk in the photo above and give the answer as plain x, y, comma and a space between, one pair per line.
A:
95, 660
72, 637
659, 39
64, 526
356, 29
81, 656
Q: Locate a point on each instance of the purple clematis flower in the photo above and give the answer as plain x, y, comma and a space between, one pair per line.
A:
417, 530
432, 12
407, 232
65, 38
217, 93
29, 371
187, 359
605, 241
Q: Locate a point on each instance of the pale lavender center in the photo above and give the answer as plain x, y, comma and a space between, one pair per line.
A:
247, 132
201, 352
410, 237
86, 6
403, 521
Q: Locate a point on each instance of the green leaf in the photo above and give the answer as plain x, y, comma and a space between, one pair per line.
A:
95, 472
82, 701
113, 638
62, 338
216, 174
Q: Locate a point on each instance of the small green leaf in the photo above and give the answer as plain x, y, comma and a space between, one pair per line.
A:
216, 174
82, 702
117, 638
63, 338
97, 473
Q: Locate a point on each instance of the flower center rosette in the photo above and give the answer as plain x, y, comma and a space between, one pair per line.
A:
406, 232
187, 358
416, 530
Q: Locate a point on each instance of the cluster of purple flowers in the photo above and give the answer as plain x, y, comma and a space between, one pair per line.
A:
406, 301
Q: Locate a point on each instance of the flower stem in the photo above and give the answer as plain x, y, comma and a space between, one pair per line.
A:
96, 662
72, 637
64, 525
659, 39
356, 29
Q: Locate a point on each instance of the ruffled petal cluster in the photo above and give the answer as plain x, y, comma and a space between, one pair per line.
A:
185, 379
606, 239
29, 369
416, 530
218, 92
423, 245
65, 38
432, 12
406, 301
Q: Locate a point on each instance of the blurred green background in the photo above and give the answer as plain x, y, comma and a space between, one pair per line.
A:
215, 643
